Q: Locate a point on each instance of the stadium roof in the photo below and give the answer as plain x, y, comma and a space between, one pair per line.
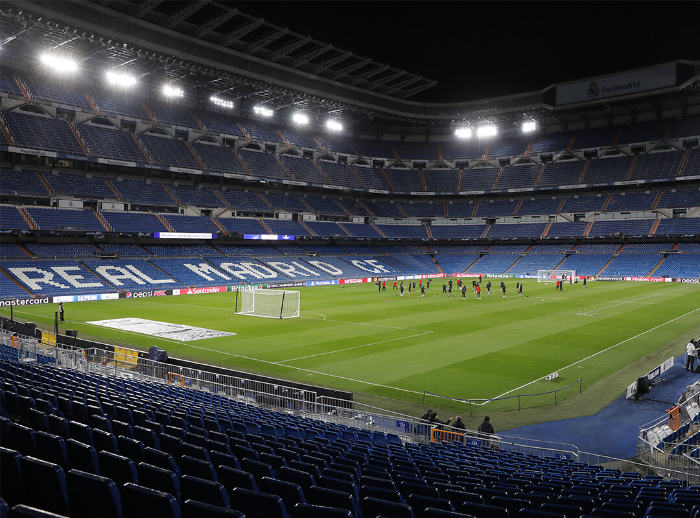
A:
211, 48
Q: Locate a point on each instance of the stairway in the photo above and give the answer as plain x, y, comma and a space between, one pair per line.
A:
588, 228
286, 171
459, 179
217, 193
140, 145
218, 225
45, 183
584, 171
604, 267
165, 223
517, 208
607, 202
654, 227
113, 189
354, 174
265, 226
663, 258
546, 230
630, 171
243, 163
386, 178
27, 218
684, 161
318, 167
170, 193
79, 138
498, 177
199, 160
102, 220
303, 224
378, 231
422, 180
6, 132
266, 202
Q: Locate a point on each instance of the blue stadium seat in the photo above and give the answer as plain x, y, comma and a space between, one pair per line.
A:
48, 489
52, 448
11, 481
257, 505
88, 492
373, 507
141, 502
117, 467
160, 479
231, 477
82, 457
203, 490
290, 493
317, 511
194, 509
332, 498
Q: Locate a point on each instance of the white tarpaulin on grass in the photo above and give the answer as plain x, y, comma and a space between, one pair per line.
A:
161, 329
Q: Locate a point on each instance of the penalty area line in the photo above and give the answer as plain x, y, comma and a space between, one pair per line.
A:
592, 355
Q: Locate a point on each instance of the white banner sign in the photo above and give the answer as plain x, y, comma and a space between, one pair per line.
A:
619, 84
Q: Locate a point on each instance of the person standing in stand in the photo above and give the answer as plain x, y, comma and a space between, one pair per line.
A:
61, 312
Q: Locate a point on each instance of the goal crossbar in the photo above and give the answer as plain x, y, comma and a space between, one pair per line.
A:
555, 275
268, 303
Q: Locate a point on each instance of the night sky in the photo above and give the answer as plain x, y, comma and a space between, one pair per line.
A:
478, 50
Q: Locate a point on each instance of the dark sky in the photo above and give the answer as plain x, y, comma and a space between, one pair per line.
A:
479, 50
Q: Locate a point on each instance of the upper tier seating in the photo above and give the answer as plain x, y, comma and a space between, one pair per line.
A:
327, 228
684, 226
643, 132
171, 115
167, 151
460, 209
419, 209
21, 182
530, 263
65, 219
219, 158
561, 173
281, 202
303, 169
493, 264
629, 227
370, 177
242, 225
508, 249
404, 180
299, 139
11, 218
542, 206
221, 124
61, 250
586, 264
583, 204
645, 248
360, 230
509, 147
479, 179
326, 206
494, 208
190, 195
8, 84
692, 166
456, 263
550, 143
119, 107
145, 193
10, 250
259, 133
244, 201
263, 164
338, 174
505, 230
679, 199
441, 180
519, 176
608, 248
58, 94
658, 165
457, 231
567, 229
631, 201
606, 170
75, 186
181, 223
42, 133
110, 143
286, 227
133, 222
405, 231
388, 209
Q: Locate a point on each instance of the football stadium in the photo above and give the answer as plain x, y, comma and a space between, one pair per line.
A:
248, 272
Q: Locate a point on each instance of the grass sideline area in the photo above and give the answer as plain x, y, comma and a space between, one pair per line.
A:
389, 349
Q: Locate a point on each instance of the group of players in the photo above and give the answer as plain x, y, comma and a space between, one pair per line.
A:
447, 288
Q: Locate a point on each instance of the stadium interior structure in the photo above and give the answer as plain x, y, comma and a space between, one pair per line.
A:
92, 174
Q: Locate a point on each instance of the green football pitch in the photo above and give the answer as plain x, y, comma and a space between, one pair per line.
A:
388, 350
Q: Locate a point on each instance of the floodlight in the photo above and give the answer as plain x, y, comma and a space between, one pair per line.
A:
262, 111
463, 132
334, 125
486, 131
172, 91
59, 64
120, 78
221, 102
528, 126
300, 118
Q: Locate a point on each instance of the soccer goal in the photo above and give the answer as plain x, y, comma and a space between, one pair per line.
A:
556, 275
268, 303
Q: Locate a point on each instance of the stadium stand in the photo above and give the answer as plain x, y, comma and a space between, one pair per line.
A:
168, 151
133, 222
79, 186
42, 133
110, 143
181, 223
144, 193
21, 182
131, 274
219, 158
47, 278
65, 219
11, 218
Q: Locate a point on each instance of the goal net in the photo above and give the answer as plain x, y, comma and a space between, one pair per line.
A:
556, 275
268, 303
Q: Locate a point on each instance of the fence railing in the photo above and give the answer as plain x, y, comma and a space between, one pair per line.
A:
508, 402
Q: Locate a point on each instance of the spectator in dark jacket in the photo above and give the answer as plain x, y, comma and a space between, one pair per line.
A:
486, 426
457, 423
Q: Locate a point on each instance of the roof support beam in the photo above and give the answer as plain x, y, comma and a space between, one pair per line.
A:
370, 73
186, 12
266, 40
417, 89
351, 68
146, 7
212, 24
241, 31
399, 86
312, 54
386, 79
291, 47
332, 61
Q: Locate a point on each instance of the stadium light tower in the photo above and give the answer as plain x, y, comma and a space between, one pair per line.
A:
528, 126
463, 132
59, 64
224, 103
487, 130
300, 118
122, 79
334, 125
262, 111
172, 91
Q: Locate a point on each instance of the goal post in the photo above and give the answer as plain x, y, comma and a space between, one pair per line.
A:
556, 275
268, 303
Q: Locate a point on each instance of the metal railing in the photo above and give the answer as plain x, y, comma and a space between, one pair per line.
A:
481, 402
